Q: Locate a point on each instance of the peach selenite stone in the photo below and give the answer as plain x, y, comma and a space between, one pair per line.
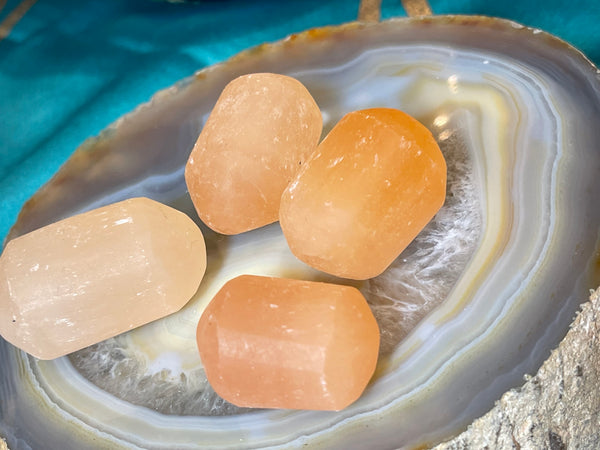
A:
280, 343
260, 131
370, 187
92, 276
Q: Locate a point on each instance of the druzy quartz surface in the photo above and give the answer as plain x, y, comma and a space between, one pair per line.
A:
270, 342
92, 276
492, 282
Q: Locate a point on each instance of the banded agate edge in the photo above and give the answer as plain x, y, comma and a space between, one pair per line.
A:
517, 104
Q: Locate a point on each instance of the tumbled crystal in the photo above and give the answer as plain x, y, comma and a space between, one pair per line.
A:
260, 131
372, 184
92, 276
280, 343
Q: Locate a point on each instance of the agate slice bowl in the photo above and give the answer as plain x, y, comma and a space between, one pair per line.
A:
475, 303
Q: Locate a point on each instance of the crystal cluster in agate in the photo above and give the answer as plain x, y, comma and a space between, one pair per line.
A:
370, 187
84, 279
282, 343
258, 134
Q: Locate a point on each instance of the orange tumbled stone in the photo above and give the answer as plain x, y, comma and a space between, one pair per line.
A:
92, 276
260, 131
370, 187
280, 343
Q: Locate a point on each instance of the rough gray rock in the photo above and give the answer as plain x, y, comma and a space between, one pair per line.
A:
557, 409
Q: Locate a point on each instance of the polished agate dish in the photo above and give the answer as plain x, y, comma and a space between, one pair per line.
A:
477, 301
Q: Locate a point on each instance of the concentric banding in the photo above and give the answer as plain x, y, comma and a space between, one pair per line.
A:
521, 104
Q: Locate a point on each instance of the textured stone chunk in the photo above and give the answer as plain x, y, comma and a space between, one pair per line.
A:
370, 187
95, 275
260, 131
280, 343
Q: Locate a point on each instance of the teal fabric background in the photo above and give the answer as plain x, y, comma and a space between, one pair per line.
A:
68, 69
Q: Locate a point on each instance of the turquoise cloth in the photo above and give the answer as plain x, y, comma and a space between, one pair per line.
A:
68, 69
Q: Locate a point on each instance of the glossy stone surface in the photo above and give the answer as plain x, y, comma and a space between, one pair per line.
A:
370, 187
257, 136
493, 281
279, 343
92, 276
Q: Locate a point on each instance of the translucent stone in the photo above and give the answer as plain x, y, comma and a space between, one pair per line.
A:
280, 343
84, 279
370, 187
260, 131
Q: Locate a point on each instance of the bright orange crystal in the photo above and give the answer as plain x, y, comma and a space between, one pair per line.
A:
92, 276
260, 131
370, 187
280, 343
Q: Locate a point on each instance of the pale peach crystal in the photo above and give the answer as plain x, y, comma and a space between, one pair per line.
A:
95, 275
370, 187
281, 343
260, 131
